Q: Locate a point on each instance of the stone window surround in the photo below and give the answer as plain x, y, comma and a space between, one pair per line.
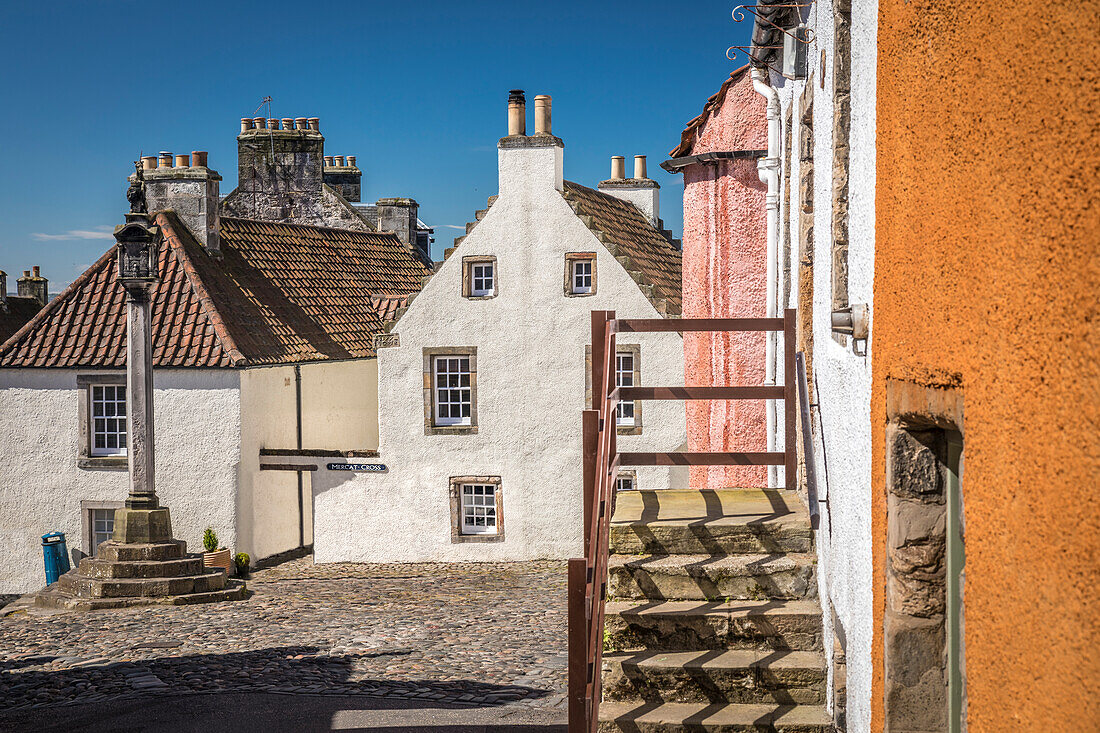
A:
467, 276
456, 509
570, 258
636, 350
85, 459
430, 428
921, 421
86, 508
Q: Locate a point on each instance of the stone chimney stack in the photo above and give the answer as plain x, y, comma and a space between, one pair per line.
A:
34, 286
280, 166
529, 163
343, 176
190, 189
3, 292
398, 215
640, 190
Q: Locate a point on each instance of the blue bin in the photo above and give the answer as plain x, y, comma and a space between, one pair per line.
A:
56, 556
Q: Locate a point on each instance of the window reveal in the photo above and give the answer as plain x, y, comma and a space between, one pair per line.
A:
582, 276
453, 393
108, 420
479, 509
624, 377
481, 279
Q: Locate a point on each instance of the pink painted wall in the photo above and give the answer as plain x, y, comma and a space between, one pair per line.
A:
725, 276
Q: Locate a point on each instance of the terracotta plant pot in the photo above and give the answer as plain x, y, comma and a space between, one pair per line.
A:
218, 559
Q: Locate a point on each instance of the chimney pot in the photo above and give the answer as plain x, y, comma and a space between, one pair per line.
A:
288, 123
26, 273
259, 122
165, 159
351, 161
338, 160
183, 161
148, 162
300, 123
37, 271
246, 124
542, 114
639, 167
315, 124
618, 168
517, 113
329, 161
273, 123
198, 158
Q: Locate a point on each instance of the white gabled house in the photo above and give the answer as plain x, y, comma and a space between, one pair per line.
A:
482, 379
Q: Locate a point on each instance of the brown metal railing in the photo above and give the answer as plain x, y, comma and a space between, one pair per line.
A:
587, 583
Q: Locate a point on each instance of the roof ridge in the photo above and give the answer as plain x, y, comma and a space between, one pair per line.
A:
57, 302
299, 225
209, 309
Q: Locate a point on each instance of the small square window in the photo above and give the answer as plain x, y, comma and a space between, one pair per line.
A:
479, 278
580, 273
477, 509
625, 482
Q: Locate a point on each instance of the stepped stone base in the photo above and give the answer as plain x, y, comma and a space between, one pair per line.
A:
123, 575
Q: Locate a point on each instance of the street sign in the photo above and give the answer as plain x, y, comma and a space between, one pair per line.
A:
367, 467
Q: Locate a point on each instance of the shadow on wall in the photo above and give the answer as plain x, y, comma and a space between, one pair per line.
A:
301, 673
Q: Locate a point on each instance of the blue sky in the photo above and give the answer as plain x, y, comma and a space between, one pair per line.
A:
417, 90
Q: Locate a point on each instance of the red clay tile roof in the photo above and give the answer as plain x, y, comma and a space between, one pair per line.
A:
627, 233
280, 293
687, 137
20, 309
387, 305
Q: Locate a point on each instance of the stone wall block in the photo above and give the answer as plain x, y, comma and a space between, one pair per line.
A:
916, 690
914, 467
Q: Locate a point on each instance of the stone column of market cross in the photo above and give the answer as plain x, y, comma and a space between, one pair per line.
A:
142, 520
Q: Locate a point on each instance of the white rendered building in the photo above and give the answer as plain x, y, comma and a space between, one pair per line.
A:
482, 379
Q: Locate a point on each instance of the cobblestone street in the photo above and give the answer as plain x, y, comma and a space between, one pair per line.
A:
480, 634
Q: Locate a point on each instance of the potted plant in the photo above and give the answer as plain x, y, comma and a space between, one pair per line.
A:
215, 557
242, 560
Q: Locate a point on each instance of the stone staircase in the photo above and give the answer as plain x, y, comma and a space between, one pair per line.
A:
712, 621
125, 575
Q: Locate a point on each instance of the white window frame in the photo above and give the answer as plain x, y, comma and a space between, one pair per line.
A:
478, 501
108, 525
486, 278
578, 276
625, 378
87, 522
626, 482
98, 408
467, 399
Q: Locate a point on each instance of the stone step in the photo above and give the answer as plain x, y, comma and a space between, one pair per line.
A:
697, 625
78, 585
112, 551
470, 226
710, 521
745, 676
480, 213
53, 598
712, 577
705, 718
94, 567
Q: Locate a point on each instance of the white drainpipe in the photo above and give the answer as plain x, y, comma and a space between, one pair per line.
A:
768, 169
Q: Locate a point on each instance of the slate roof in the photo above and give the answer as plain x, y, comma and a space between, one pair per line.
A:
280, 293
646, 252
20, 309
713, 104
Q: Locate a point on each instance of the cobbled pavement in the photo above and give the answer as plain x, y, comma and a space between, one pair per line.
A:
472, 633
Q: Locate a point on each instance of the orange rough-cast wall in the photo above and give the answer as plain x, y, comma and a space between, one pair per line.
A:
987, 274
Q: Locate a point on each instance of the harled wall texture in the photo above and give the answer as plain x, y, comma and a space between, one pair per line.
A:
725, 276
987, 272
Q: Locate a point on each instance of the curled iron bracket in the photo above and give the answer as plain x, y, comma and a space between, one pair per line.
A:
739, 15
731, 54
